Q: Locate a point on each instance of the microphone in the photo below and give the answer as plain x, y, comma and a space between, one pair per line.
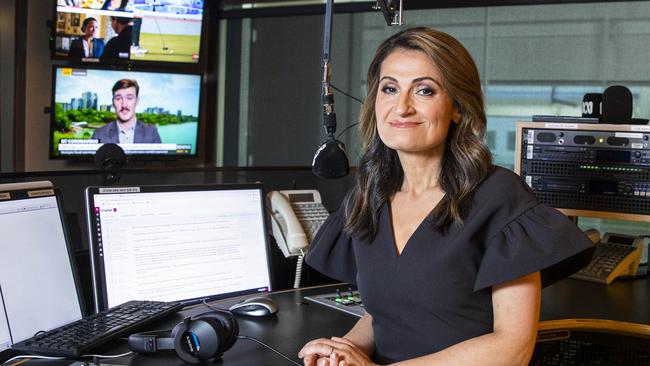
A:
330, 160
617, 105
110, 158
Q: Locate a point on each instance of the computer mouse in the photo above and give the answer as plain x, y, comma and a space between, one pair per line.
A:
255, 306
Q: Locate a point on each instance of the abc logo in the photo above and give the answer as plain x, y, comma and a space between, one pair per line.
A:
587, 107
592, 105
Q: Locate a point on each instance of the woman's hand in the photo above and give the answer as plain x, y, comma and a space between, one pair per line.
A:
333, 352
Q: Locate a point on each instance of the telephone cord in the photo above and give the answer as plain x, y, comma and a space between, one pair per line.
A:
301, 258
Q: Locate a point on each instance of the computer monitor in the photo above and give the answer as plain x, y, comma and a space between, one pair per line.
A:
177, 243
128, 31
85, 112
38, 283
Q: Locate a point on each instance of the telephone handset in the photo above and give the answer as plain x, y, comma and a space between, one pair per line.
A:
296, 216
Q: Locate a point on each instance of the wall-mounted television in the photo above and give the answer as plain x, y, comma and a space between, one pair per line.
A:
149, 114
128, 31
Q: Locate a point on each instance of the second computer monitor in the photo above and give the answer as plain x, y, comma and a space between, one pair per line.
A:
177, 243
39, 288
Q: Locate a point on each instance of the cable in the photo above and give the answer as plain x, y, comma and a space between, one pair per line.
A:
270, 348
345, 129
205, 302
254, 339
33, 356
296, 281
346, 94
63, 358
109, 356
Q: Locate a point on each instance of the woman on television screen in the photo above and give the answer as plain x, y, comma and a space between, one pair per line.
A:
87, 46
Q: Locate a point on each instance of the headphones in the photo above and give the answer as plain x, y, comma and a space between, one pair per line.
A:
199, 338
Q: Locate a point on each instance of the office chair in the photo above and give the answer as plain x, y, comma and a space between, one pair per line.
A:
591, 342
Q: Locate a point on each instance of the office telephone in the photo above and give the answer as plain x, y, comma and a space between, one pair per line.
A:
296, 216
616, 255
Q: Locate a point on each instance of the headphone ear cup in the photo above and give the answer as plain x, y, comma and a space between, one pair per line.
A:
232, 329
178, 333
180, 327
205, 336
199, 340
227, 323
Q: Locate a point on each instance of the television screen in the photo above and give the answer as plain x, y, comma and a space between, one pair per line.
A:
128, 30
146, 113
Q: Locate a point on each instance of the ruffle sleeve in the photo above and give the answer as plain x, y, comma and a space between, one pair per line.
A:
540, 239
331, 251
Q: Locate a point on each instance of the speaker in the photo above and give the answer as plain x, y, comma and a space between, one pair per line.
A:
196, 339
617, 105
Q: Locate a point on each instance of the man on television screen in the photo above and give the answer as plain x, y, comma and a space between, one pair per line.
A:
126, 128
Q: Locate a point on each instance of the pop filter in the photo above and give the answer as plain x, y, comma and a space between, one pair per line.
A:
616, 105
110, 157
330, 160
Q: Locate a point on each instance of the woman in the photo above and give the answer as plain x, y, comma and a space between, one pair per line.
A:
445, 248
87, 45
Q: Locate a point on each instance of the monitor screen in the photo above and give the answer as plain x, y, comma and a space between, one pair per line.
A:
154, 114
38, 290
177, 243
109, 31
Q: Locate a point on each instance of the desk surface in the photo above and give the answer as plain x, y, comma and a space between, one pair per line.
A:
622, 300
299, 321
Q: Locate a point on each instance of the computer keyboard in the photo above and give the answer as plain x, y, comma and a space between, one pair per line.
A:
78, 338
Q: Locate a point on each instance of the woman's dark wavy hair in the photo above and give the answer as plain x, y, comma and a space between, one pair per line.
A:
466, 161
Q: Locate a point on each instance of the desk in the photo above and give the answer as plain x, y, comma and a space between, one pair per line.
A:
299, 321
622, 300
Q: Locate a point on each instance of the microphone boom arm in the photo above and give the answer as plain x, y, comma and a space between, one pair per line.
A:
391, 15
329, 117
330, 160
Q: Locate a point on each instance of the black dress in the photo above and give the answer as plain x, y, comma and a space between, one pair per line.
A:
437, 292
